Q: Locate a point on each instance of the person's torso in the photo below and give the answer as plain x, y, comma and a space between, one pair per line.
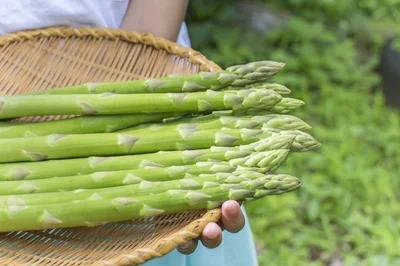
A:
21, 15
18, 15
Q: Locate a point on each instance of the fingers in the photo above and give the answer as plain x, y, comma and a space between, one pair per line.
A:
232, 220
232, 217
189, 247
211, 236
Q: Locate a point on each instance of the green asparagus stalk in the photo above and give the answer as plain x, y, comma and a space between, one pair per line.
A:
109, 144
262, 162
262, 120
260, 193
283, 90
250, 76
9, 124
287, 105
19, 217
303, 142
121, 123
58, 146
141, 187
278, 88
109, 179
82, 166
284, 122
247, 73
79, 125
113, 104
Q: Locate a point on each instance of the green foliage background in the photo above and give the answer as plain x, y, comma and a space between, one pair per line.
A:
349, 208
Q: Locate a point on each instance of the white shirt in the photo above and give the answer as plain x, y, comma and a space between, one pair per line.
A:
20, 15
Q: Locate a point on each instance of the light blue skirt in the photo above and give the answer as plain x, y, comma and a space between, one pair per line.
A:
235, 250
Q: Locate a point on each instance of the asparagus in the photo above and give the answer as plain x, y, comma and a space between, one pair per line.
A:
81, 166
121, 123
241, 74
79, 125
287, 105
251, 76
108, 144
261, 120
302, 142
284, 106
284, 122
273, 86
108, 179
264, 161
141, 187
57, 146
113, 104
278, 88
17, 216
9, 124
261, 162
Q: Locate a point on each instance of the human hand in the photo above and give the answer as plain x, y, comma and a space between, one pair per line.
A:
232, 220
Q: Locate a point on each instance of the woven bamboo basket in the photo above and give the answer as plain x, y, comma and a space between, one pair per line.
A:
62, 56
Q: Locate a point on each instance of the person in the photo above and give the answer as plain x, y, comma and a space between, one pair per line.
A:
218, 246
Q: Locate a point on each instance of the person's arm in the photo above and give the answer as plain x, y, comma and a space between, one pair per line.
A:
162, 18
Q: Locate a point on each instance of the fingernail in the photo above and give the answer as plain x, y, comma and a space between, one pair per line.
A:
233, 211
205, 234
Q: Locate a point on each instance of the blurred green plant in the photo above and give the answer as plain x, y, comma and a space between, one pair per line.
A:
348, 210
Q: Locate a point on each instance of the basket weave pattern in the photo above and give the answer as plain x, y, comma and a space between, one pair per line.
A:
63, 56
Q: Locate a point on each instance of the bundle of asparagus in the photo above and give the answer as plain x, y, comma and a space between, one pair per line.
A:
146, 147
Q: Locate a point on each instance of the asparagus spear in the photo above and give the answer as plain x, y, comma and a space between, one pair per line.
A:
264, 161
58, 146
108, 179
79, 125
255, 76
9, 124
273, 86
18, 217
247, 73
81, 166
138, 122
108, 144
278, 88
286, 105
303, 142
112, 104
261, 162
141, 187
284, 122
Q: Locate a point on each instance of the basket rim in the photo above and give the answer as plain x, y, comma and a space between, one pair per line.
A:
173, 48
193, 229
